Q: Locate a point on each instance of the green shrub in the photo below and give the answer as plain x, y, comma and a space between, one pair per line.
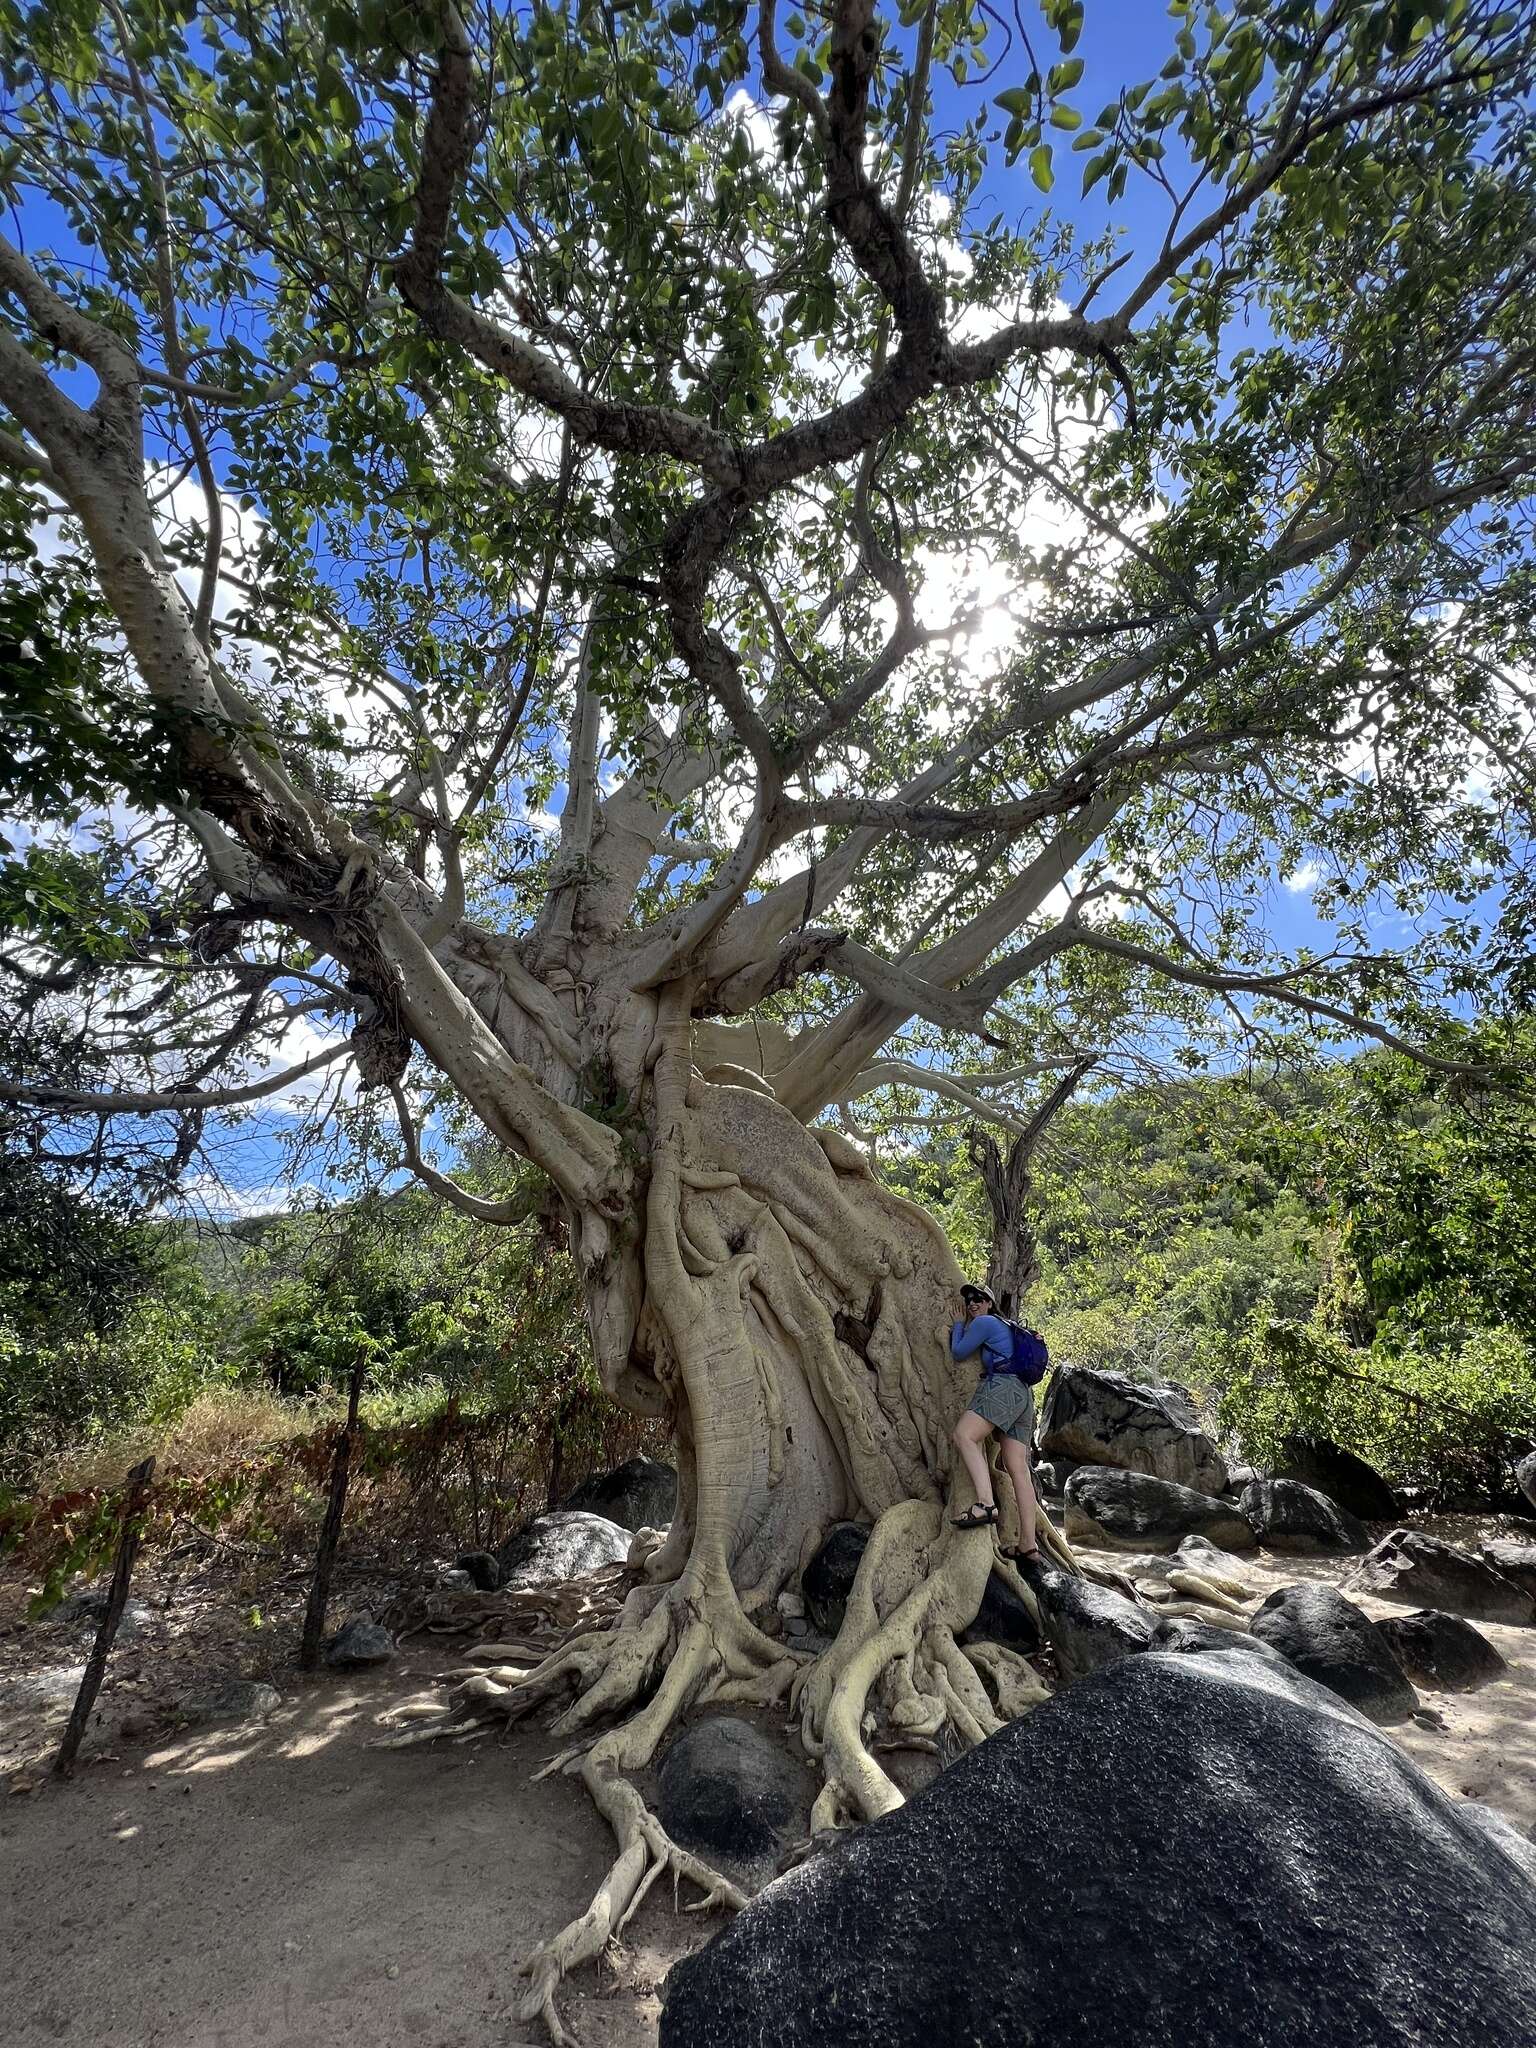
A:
1446, 1420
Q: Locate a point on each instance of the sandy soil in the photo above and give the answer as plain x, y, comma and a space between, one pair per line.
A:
286, 1884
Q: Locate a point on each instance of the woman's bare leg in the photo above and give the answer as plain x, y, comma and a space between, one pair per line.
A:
971, 1432
1016, 1465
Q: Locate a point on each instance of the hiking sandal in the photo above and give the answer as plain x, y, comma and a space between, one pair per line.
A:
1020, 1556
977, 1516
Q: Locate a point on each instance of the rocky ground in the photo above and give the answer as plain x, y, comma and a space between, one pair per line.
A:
282, 1881
1486, 1747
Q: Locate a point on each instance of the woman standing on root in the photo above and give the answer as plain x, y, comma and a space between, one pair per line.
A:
1003, 1402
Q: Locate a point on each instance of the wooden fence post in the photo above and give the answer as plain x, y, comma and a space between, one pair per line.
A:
330, 1530
122, 1572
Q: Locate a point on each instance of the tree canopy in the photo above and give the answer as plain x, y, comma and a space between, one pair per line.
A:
652, 478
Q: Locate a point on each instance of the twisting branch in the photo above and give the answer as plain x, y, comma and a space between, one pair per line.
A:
513, 1209
447, 149
782, 78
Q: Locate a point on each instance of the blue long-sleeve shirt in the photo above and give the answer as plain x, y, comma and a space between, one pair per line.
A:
987, 1334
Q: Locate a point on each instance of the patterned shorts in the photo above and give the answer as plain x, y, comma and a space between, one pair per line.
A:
1008, 1403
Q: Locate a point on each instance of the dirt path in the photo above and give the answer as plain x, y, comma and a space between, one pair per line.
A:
285, 1884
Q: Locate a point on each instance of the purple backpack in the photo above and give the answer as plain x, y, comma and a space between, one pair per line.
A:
1031, 1360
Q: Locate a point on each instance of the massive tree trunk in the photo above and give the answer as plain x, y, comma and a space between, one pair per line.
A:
790, 1315
747, 1277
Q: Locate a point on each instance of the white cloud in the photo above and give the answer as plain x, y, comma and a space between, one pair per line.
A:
302, 1040
212, 1194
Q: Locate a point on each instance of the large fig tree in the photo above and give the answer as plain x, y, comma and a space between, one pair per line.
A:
619, 563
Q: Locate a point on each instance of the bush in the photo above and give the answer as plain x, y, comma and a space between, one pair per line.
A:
1445, 1420
84, 1385
481, 1403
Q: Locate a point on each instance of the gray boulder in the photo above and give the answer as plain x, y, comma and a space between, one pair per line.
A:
87, 1610
1525, 1477
639, 1494
50, 1691
1289, 1516
1103, 1418
1503, 1834
238, 1699
1333, 1643
1130, 1511
1441, 1651
1052, 1474
726, 1788
1423, 1571
561, 1545
481, 1568
1517, 1561
1088, 1626
1186, 1638
1200, 1554
1208, 1852
1356, 1486
1002, 1618
360, 1643
828, 1579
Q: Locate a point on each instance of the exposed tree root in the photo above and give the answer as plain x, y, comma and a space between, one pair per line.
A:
1213, 1617
688, 1649
896, 1668
1215, 1592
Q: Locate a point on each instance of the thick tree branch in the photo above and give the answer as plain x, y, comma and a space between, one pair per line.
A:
830, 1055
580, 1155
144, 1102
170, 331
63, 326
447, 150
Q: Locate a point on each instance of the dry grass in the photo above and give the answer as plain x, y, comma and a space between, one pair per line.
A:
253, 1467
221, 1427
